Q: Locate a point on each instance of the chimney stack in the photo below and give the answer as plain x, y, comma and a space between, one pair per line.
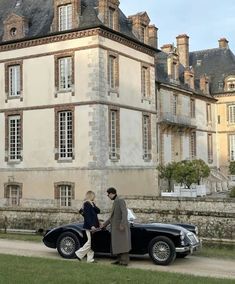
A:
167, 48
153, 39
183, 49
223, 43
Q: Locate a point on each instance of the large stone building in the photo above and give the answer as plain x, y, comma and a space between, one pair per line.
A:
77, 101
87, 101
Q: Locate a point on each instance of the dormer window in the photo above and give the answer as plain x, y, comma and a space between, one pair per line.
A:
13, 32
65, 17
230, 83
140, 26
111, 12
143, 33
231, 86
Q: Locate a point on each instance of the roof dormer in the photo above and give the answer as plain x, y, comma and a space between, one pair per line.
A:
66, 15
15, 27
109, 13
140, 26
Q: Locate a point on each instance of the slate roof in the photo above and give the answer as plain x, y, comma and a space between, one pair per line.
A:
40, 15
217, 63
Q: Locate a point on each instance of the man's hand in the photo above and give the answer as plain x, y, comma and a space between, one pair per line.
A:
121, 227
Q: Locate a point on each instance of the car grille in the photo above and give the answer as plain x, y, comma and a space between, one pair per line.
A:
192, 238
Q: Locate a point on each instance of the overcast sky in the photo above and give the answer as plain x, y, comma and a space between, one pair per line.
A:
204, 21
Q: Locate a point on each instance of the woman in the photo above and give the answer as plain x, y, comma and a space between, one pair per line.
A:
91, 223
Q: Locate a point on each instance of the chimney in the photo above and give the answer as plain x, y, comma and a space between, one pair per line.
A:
223, 43
167, 48
153, 39
189, 77
183, 49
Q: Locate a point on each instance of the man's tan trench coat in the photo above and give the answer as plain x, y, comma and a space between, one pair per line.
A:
120, 239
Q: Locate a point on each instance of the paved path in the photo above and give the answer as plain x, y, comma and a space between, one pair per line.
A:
200, 266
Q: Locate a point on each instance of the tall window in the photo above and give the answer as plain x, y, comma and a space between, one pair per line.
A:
65, 134
114, 134
232, 147
111, 13
143, 33
192, 108
14, 138
113, 71
208, 113
13, 194
65, 17
193, 145
210, 148
65, 195
146, 137
65, 73
14, 80
231, 114
145, 81
174, 104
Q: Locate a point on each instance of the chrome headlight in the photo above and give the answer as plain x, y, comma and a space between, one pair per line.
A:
196, 230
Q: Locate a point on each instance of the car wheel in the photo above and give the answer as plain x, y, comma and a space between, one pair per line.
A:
67, 244
162, 250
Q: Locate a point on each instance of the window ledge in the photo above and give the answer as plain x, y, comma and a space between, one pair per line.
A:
65, 160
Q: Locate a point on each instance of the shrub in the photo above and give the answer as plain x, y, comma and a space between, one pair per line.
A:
232, 168
232, 193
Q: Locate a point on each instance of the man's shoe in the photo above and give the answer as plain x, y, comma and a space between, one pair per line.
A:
116, 262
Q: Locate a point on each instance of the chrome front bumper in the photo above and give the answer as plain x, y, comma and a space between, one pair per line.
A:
190, 248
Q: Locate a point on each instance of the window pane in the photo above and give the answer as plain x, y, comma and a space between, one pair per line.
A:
14, 80
65, 73
65, 135
14, 138
65, 17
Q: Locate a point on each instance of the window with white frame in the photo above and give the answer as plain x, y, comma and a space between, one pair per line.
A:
65, 17
231, 113
146, 138
65, 73
192, 108
143, 33
208, 113
14, 80
210, 148
232, 147
112, 71
14, 138
65, 192
145, 81
174, 104
13, 195
65, 134
113, 134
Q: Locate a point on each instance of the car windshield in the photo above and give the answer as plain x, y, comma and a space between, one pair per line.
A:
131, 215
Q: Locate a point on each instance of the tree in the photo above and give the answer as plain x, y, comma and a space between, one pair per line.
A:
202, 169
232, 168
185, 173
166, 172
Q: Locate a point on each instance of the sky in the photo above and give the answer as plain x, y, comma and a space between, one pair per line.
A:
204, 21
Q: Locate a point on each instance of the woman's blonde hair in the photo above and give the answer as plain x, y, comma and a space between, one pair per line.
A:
90, 195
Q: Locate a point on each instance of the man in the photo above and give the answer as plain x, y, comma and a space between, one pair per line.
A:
120, 230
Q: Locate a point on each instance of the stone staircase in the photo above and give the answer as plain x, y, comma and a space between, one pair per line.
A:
216, 182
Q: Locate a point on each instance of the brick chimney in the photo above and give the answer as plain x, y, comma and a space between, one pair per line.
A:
153, 39
167, 48
189, 77
223, 43
183, 49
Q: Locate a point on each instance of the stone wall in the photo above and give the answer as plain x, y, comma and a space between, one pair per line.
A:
215, 218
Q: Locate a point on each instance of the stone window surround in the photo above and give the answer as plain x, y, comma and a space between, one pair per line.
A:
7, 115
6, 190
117, 110
148, 115
58, 109
57, 191
76, 11
147, 82
57, 57
116, 72
7, 87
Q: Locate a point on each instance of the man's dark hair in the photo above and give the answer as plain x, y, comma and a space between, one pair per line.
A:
111, 190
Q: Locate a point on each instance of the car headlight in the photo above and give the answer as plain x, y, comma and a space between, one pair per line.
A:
196, 230
182, 235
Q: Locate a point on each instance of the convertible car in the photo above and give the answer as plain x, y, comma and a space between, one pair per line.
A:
163, 242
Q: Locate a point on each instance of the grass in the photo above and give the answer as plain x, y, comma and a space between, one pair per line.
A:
21, 270
225, 251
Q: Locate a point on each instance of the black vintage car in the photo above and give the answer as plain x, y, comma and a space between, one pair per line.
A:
163, 242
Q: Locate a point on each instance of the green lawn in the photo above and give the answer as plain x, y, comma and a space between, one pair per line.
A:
21, 270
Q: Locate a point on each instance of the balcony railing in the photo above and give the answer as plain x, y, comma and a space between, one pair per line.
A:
179, 119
